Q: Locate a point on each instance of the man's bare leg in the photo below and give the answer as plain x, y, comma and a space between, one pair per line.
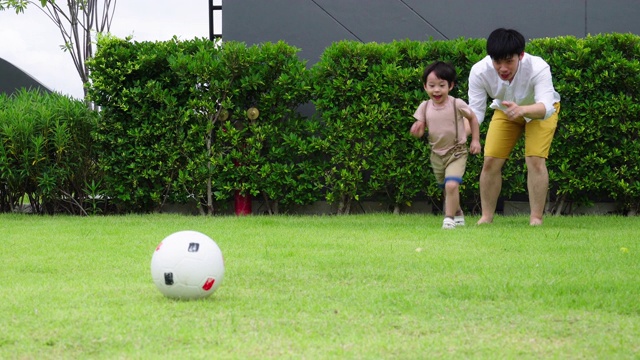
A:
490, 187
538, 185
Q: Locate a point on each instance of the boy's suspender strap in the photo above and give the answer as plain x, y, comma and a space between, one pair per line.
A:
455, 117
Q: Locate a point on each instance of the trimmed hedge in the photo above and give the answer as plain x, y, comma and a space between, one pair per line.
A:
367, 94
142, 135
175, 124
275, 155
596, 151
361, 89
164, 134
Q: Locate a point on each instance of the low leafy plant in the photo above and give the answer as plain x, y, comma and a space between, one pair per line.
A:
46, 152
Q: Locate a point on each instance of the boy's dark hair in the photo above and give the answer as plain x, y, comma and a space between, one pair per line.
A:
503, 43
442, 70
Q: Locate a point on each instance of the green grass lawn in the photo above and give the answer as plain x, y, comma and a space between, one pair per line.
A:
334, 287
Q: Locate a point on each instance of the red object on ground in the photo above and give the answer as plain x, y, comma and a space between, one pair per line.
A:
242, 204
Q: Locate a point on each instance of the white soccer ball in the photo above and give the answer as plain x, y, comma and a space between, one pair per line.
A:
187, 265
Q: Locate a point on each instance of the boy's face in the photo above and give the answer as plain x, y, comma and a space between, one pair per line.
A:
436, 88
507, 67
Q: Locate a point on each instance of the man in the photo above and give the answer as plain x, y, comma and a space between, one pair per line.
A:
524, 100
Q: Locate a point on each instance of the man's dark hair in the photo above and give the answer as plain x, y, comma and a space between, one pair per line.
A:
504, 43
442, 70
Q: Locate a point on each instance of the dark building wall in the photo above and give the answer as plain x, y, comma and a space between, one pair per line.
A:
13, 79
312, 25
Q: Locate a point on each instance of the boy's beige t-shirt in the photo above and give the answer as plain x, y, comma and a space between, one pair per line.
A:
440, 123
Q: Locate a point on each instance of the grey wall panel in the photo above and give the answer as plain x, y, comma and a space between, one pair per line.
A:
476, 19
300, 23
312, 25
381, 21
613, 16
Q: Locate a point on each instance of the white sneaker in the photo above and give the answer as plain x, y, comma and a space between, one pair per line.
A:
448, 223
459, 220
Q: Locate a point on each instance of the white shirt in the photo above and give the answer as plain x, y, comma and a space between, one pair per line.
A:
532, 84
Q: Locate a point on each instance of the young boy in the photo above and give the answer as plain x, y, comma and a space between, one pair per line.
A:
441, 115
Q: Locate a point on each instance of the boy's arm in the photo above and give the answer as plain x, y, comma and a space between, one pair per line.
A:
474, 147
418, 128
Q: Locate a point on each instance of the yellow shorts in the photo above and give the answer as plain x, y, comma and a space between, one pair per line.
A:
504, 133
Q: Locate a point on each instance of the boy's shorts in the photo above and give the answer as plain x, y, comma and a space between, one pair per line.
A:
504, 133
450, 166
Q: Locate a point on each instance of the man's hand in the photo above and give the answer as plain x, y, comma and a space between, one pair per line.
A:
513, 111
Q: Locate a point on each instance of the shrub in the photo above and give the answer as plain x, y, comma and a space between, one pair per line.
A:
366, 95
595, 151
175, 123
46, 153
143, 134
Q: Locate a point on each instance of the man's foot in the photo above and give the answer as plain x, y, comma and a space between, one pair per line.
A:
484, 220
534, 221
